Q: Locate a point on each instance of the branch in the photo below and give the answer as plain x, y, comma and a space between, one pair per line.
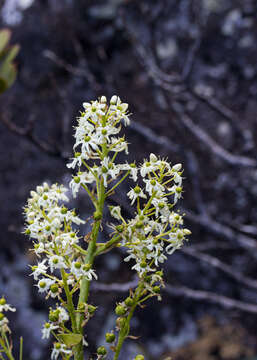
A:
183, 291
214, 298
229, 270
27, 133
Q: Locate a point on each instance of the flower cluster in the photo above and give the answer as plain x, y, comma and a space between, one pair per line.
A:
156, 228
3, 319
64, 267
50, 224
97, 140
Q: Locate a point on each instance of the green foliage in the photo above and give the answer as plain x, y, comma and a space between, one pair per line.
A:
8, 71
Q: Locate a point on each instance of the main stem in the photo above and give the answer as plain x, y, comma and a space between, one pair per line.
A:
85, 284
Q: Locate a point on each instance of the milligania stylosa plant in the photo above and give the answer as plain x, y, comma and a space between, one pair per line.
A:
65, 268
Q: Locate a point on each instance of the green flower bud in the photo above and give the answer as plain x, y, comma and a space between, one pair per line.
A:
64, 210
48, 227
27, 232
139, 225
47, 325
104, 132
101, 350
139, 357
54, 315
72, 235
77, 265
143, 264
1, 316
129, 301
2, 301
120, 310
76, 179
153, 182
178, 189
77, 154
155, 241
45, 197
54, 288
57, 346
87, 138
86, 267
109, 337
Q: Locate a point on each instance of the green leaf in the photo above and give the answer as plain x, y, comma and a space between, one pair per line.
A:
70, 339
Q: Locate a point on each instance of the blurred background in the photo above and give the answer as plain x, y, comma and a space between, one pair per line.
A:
188, 69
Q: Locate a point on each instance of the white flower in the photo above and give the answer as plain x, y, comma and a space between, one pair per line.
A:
46, 331
44, 284
154, 186
150, 166
39, 269
3, 321
59, 349
135, 193
115, 212
4, 306
56, 262
63, 315
93, 110
177, 190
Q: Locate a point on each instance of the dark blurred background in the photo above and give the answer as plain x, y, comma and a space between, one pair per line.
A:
188, 69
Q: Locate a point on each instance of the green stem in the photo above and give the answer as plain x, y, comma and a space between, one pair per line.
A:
124, 332
6, 348
117, 184
70, 305
85, 284
21, 348
108, 245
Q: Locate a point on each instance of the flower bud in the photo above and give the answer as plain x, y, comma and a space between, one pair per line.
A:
101, 350
139, 225
64, 210
109, 337
2, 301
1, 316
54, 288
177, 167
86, 267
139, 357
114, 99
129, 301
103, 100
54, 315
120, 310
76, 179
